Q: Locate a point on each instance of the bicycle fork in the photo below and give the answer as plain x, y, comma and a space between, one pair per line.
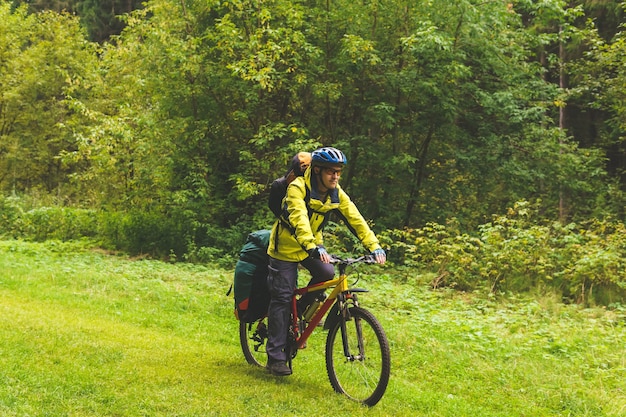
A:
343, 321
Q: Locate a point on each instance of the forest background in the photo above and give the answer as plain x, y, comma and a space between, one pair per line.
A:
485, 139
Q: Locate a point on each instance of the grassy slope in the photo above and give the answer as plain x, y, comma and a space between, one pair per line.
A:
85, 334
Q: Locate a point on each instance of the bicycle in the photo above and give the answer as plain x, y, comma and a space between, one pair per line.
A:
358, 360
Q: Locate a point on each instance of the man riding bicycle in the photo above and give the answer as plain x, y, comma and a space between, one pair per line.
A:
297, 239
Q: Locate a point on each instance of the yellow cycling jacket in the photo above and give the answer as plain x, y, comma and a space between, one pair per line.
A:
300, 227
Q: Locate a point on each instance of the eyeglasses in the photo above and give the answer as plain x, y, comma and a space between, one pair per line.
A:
331, 171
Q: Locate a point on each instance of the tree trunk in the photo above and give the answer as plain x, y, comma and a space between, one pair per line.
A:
418, 175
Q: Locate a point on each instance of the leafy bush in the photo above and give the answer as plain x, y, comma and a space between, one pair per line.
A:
340, 241
599, 262
60, 223
10, 216
140, 232
211, 244
436, 248
517, 252
173, 235
45, 223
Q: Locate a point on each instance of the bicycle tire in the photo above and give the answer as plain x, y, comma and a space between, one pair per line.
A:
362, 379
253, 338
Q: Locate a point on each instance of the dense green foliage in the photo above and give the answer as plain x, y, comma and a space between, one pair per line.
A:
161, 129
99, 17
517, 252
444, 109
85, 334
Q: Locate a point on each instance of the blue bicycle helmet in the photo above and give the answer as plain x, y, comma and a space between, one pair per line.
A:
328, 157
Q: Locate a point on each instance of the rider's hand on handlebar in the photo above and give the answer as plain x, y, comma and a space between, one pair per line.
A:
320, 253
380, 256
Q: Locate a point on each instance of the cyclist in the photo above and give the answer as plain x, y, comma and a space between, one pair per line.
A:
297, 239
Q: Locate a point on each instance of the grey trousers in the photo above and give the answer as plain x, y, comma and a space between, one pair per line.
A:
282, 280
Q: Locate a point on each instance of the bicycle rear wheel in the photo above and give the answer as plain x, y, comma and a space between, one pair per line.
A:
361, 373
253, 337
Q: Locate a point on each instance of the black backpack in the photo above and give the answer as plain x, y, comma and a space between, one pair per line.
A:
278, 190
252, 295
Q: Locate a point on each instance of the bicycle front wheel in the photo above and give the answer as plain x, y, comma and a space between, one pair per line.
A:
253, 337
358, 361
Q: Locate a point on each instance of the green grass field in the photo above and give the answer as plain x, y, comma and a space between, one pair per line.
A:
84, 333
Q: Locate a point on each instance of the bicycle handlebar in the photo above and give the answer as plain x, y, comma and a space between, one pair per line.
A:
367, 259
